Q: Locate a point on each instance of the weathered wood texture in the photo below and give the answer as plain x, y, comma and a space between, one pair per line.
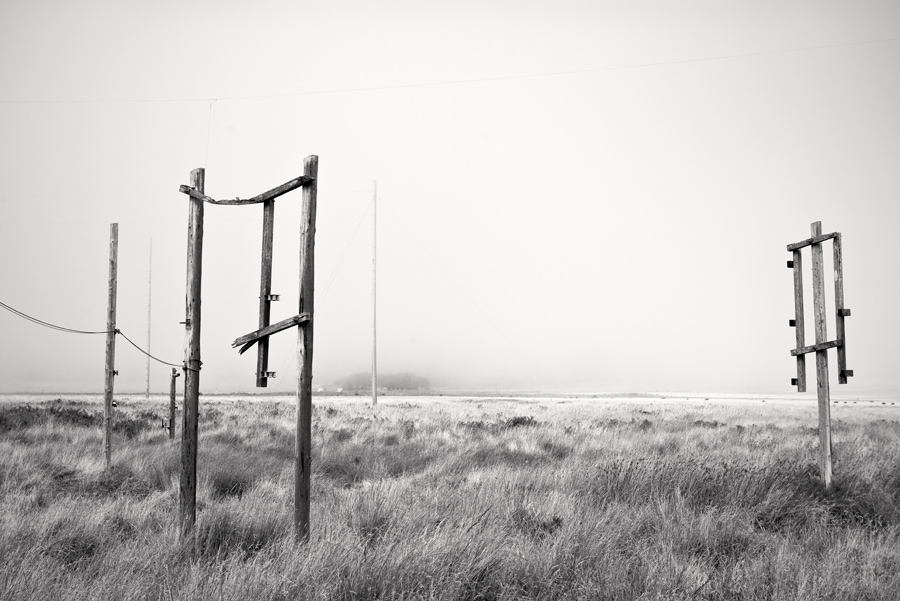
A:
374, 295
303, 446
250, 339
818, 276
188, 483
824, 346
265, 196
265, 290
839, 310
799, 323
110, 369
817, 239
175, 374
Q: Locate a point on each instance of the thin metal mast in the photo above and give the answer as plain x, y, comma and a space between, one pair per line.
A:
149, 291
374, 296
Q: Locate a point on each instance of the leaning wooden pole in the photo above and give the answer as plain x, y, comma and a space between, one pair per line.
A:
110, 371
188, 486
818, 275
303, 448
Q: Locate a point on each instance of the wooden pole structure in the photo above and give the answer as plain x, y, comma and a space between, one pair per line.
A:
303, 448
820, 348
374, 296
265, 291
171, 426
110, 371
818, 275
188, 484
149, 294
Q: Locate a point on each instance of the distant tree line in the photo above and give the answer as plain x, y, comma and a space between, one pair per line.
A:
402, 381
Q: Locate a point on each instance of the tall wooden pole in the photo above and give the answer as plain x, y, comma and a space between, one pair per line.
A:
171, 426
303, 448
265, 290
188, 485
110, 370
374, 296
149, 294
821, 357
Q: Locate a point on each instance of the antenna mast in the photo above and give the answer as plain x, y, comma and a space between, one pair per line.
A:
149, 290
374, 296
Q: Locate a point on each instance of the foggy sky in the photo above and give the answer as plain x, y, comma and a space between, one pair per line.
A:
615, 221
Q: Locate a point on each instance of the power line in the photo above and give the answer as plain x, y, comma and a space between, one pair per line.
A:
50, 325
457, 81
344, 254
74, 331
122, 334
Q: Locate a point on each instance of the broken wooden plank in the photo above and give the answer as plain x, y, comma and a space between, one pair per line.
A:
272, 194
251, 338
811, 241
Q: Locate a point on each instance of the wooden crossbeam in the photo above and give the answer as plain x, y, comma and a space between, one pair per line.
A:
252, 338
822, 346
284, 188
811, 241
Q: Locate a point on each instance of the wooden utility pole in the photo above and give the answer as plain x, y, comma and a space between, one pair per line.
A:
265, 291
820, 348
171, 426
818, 276
188, 485
110, 370
303, 449
149, 294
374, 296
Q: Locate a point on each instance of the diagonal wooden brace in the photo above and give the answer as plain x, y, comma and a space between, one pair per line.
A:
822, 346
248, 340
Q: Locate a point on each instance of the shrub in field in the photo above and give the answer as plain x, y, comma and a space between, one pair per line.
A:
527, 521
223, 532
518, 422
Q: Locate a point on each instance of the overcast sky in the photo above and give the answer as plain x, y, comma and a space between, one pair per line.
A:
571, 195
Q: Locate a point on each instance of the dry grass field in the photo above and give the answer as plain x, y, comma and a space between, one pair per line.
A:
457, 499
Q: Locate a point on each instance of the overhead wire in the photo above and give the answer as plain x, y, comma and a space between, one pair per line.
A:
117, 331
50, 325
344, 253
460, 81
